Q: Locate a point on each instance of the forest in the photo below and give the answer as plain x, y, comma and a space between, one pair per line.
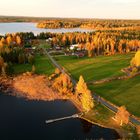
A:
97, 24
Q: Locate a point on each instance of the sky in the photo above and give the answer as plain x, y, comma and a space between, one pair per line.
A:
118, 9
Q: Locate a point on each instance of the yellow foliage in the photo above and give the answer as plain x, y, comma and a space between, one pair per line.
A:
63, 84
57, 71
90, 48
85, 95
132, 62
87, 101
9, 40
122, 116
81, 85
134, 70
136, 60
18, 40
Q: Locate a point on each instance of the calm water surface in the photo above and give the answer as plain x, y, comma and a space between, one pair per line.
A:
21, 120
31, 27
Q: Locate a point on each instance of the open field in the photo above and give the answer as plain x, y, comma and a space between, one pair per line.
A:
95, 68
42, 64
121, 92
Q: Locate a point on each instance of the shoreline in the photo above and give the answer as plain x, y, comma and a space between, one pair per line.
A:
7, 88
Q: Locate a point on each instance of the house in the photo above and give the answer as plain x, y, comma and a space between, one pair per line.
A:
72, 47
79, 54
57, 47
49, 39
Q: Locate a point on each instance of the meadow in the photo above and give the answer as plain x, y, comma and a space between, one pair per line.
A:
119, 92
42, 64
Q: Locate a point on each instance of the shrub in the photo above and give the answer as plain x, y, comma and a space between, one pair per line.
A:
134, 70
21, 58
30, 59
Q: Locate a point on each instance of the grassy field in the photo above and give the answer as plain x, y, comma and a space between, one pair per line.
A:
42, 64
95, 68
121, 92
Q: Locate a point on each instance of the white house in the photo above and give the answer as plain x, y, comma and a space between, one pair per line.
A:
49, 39
72, 47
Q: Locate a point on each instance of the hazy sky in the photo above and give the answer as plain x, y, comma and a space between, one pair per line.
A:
72, 8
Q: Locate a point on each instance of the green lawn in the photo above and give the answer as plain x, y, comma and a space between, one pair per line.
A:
121, 92
95, 68
42, 64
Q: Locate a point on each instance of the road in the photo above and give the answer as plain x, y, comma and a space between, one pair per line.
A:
95, 96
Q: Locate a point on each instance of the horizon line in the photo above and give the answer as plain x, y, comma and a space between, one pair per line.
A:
68, 17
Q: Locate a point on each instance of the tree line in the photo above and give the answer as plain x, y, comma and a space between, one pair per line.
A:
100, 42
95, 43
90, 23
12, 50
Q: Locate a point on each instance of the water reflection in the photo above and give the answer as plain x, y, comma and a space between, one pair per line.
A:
86, 126
21, 119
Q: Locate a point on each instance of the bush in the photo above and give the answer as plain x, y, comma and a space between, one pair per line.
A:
30, 59
9, 69
134, 70
21, 58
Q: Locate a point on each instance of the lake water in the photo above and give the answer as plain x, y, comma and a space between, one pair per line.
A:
31, 27
21, 119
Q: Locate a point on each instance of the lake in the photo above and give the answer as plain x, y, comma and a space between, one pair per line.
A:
31, 27
21, 119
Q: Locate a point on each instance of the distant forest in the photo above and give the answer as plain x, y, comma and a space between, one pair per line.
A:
98, 24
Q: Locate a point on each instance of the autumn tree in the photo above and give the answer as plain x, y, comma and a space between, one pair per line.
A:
122, 116
57, 71
63, 84
136, 60
3, 41
18, 40
90, 48
84, 95
1, 62
112, 44
9, 40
